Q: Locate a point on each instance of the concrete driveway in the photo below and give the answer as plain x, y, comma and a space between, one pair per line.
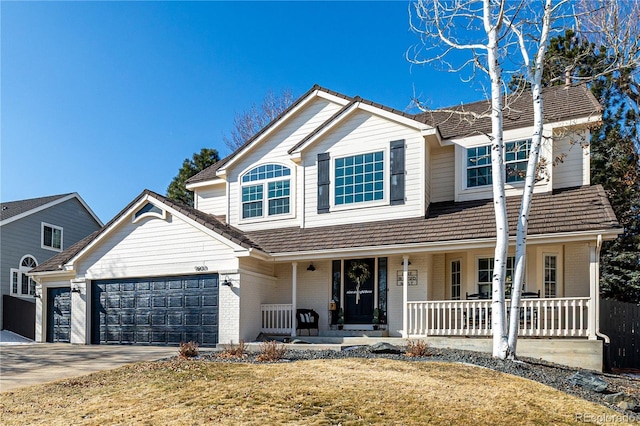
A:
24, 365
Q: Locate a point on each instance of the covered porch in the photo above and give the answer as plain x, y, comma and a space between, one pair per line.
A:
419, 295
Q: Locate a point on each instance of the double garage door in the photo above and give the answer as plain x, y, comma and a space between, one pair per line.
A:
157, 311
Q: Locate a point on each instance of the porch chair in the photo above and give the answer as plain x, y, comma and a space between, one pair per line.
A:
479, 318
525, 315
307, 319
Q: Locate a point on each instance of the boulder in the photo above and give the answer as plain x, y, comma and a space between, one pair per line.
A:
588, 381
385, 348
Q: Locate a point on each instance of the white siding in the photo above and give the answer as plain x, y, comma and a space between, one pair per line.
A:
212, 199
360, 133
443, 174
274, 149
155, 247
254, 290
576, 270
574, 168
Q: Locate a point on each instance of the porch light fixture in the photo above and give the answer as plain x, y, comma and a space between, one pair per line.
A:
227, 281
75, 289
311, 267
408, 262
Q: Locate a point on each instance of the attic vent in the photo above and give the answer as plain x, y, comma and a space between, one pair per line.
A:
149, 210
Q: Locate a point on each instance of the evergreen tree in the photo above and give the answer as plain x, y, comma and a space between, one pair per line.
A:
177, 190
615, 154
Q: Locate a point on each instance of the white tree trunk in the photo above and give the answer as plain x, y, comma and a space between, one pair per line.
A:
535, 78
497, 173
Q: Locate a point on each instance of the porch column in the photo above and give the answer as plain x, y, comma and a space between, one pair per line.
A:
294, 303
594, 289
405, 282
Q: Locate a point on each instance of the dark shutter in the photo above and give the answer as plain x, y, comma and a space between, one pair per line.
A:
397, 173
323, 182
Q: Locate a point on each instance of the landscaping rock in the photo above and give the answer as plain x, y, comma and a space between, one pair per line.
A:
588, 381
622, 400
627, 406
385, 348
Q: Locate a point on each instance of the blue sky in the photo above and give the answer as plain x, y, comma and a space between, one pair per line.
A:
108, 98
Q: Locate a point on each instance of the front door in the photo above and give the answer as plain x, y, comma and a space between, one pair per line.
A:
359, 278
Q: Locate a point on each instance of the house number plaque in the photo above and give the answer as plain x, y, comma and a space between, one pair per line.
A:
412, 277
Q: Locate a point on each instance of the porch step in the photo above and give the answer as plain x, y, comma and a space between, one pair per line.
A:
353, 333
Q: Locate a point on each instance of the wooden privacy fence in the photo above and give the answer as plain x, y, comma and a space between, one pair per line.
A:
621, 322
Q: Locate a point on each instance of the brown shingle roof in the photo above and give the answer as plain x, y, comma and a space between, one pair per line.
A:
571, 210
560, 103
14, 208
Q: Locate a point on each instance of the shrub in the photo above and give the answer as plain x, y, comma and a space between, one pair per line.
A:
233, 351
417, 348
271, 351
189, 349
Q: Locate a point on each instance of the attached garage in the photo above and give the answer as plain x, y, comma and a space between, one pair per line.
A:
155, 311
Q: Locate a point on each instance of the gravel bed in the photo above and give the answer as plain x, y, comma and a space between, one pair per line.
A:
553, 375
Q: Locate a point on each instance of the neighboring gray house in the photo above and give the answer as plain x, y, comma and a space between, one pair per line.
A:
32, 231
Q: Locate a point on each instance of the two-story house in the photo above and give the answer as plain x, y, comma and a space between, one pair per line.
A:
32, 231
372, 217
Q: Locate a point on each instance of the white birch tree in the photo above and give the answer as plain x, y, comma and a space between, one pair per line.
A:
508, 29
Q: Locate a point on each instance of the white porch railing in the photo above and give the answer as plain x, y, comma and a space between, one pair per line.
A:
562, 317
276, 318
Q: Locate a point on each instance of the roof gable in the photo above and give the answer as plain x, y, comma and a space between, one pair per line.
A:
213, 171
207, 223
16, 210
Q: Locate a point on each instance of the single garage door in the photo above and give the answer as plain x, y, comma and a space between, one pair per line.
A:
59, 315
157, 311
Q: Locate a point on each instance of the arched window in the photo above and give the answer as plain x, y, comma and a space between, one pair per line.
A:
266, 191
21, 284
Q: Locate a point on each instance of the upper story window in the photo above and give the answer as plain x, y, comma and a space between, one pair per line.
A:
516, 157
51, 237
359, 178
21, 284
266, 189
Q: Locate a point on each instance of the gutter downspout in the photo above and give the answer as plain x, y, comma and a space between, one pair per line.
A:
607, 340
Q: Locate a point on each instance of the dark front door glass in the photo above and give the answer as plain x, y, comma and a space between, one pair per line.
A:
359, 277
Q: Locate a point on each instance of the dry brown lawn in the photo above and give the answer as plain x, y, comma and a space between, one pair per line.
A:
320, 392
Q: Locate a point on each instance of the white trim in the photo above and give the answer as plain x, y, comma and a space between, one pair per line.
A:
53, 228
266, 217
318, 93
20, 271
162, 215
361, 106
197, 185
51, 204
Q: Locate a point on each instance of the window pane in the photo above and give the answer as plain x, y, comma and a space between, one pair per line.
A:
14, 282
25, 284
57, 238
48, 236
359, 178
